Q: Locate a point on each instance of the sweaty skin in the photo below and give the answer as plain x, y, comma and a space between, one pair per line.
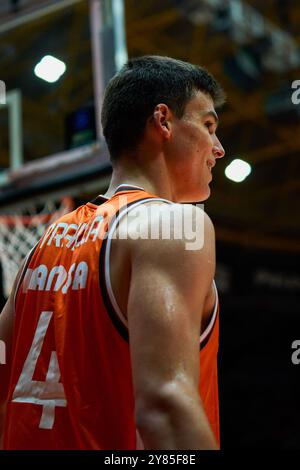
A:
168, 291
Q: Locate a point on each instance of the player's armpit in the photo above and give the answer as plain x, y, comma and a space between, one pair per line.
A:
6, 327
6, 336
168, 287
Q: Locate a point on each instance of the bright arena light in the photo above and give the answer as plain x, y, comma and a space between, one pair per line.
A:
238, 170
50, 69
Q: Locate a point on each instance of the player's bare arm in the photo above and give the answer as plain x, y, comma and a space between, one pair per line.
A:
169, 285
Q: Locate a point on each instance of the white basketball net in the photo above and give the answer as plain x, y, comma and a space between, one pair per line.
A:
19, 232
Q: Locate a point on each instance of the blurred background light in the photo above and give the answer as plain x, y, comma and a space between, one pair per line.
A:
50, 69
238, 170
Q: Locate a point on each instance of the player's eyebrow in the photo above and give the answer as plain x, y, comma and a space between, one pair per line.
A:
211, 114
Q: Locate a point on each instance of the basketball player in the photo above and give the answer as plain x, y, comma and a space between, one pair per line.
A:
112, 340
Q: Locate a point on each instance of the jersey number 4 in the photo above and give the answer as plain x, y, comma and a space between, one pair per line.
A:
50, 393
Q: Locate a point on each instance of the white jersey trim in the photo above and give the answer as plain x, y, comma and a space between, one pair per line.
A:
133, 186
123, 184
107, 255
210, 326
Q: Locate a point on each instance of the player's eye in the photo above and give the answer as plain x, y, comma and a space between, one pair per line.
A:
209, 125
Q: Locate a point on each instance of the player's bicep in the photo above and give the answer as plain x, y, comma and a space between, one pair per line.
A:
168, 287
164, 316
159, 327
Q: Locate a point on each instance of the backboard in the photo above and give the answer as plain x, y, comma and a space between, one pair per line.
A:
55, 142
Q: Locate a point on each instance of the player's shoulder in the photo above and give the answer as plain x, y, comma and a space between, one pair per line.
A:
151, 212
182, 214
196, 211
168, 229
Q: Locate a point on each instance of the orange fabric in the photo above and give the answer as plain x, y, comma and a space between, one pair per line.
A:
208, 386
82, 396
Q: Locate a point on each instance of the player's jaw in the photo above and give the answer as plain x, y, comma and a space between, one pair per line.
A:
197, 188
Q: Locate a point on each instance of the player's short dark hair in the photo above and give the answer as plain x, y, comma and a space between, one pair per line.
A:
132, 94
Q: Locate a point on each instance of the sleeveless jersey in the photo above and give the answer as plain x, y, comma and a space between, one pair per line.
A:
71, 380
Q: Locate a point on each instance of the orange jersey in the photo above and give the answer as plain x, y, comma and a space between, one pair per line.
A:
71, 381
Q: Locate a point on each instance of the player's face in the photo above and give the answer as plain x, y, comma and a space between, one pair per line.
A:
195, 149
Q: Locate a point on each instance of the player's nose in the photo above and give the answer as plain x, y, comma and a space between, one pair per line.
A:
218, 150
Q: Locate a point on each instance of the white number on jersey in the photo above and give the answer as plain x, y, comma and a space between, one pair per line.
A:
50, 393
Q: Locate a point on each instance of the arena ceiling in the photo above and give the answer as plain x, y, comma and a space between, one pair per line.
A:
259, 122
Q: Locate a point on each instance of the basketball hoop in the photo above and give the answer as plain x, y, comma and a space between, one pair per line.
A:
21, 229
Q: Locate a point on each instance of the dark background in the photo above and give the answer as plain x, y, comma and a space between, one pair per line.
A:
259, 320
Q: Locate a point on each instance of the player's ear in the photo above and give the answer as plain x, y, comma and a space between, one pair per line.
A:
162, 119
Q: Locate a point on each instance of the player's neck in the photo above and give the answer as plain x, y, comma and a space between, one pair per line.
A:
151, 176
